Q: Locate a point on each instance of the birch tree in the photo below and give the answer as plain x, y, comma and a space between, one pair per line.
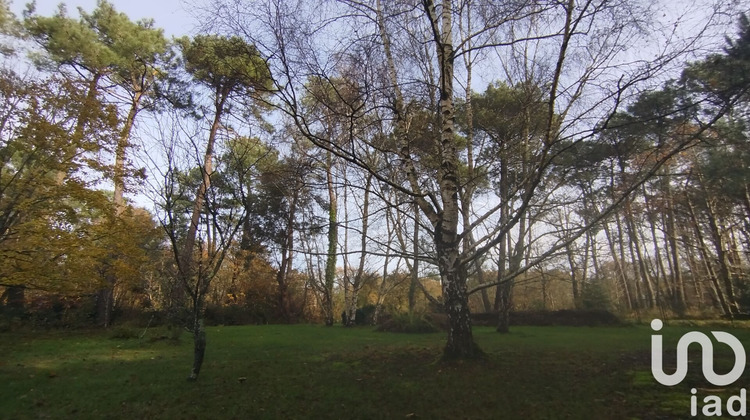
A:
409, 55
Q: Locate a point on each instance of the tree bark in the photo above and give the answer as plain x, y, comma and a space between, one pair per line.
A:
680, 302
722, 257
199, 346
414, 278
330, 271
719, 293
287, 256
460, 343
637, 254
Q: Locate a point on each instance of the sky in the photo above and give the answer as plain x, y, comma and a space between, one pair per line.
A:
171, 15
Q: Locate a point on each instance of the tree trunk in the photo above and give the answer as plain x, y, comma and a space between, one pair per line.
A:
514, 264
199, 345
637, 254
105, 302
414, 278
386, 260
120, 153
719, 293
287, 256
504, 304
502, 245
693, 269
330, 272
206, 171
622, 277
444, 220
680, 301
460, 343
724, 272
573, 276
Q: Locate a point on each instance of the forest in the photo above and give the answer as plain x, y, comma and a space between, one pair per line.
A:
354, 161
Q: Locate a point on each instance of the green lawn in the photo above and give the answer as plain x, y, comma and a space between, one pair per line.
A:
303, 371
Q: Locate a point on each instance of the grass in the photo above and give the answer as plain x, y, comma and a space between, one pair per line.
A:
303, 371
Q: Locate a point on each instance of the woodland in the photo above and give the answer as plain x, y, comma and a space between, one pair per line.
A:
364, 161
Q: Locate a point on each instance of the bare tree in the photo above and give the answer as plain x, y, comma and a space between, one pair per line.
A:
407, 53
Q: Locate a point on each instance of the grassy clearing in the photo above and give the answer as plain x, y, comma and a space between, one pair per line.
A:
302, 371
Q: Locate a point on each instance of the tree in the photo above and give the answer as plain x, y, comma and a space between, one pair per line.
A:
512, 121
106, 45
228, 68
47, 173
400, 77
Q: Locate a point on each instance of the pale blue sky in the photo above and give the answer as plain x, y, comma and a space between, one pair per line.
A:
171, 15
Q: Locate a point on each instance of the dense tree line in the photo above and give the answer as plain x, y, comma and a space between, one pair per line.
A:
324, 158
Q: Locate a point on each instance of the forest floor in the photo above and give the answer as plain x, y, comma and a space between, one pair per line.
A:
306, 371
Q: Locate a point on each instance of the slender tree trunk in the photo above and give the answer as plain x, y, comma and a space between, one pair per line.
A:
330, 271
673, 248
722, 257
460, 343
573, 275
585, 263
595, 257
622, 277
719, 293
504, 300
383, 283
186, 270
693, 269
121, 151
414, 278
514, 264
660, 272
502, 251
287, 256
382, 289
206, 171
199, 340
359, 275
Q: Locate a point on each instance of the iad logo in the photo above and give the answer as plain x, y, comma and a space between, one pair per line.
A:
713, 404
708, 357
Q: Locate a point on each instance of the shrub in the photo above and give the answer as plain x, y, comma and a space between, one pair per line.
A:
53, 311
594, 297
235, 315
122, 332
566, 317
365, 314
408, 323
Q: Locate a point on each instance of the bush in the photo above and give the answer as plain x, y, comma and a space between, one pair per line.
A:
122, 332
53, 311
409, 324
565, 317
365, 315
594, 297
234, 315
